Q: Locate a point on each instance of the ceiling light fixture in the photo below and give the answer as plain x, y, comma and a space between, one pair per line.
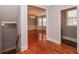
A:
32, 17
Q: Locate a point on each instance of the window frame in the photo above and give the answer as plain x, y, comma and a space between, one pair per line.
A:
42, 24
70, 9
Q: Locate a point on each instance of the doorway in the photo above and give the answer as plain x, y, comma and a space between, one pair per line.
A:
9, 37
36, 25
69, 27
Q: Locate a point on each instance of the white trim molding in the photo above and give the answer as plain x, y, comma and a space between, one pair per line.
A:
9, 49
9, 22
23, 48
69, 38
53, 40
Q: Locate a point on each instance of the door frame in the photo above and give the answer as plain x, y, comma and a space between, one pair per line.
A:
67, 9
2, 24
39, 6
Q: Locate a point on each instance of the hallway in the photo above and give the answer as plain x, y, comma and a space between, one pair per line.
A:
45, 47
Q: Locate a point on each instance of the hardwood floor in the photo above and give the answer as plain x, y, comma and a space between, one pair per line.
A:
37, 45
69, 43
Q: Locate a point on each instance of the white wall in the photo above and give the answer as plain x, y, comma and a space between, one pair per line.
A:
23, 28
78, 29
8, 13
54, 24
0, 40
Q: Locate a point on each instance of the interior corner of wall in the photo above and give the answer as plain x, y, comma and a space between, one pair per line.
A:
54, 40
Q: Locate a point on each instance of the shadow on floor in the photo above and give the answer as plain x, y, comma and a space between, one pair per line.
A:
13, 51
69, 43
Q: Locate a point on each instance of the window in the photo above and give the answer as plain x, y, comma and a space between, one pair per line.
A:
42, 21
72, 17
39, 21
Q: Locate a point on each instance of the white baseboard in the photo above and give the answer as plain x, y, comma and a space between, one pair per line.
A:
9, 49
69, 38
54, 40
24, 48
